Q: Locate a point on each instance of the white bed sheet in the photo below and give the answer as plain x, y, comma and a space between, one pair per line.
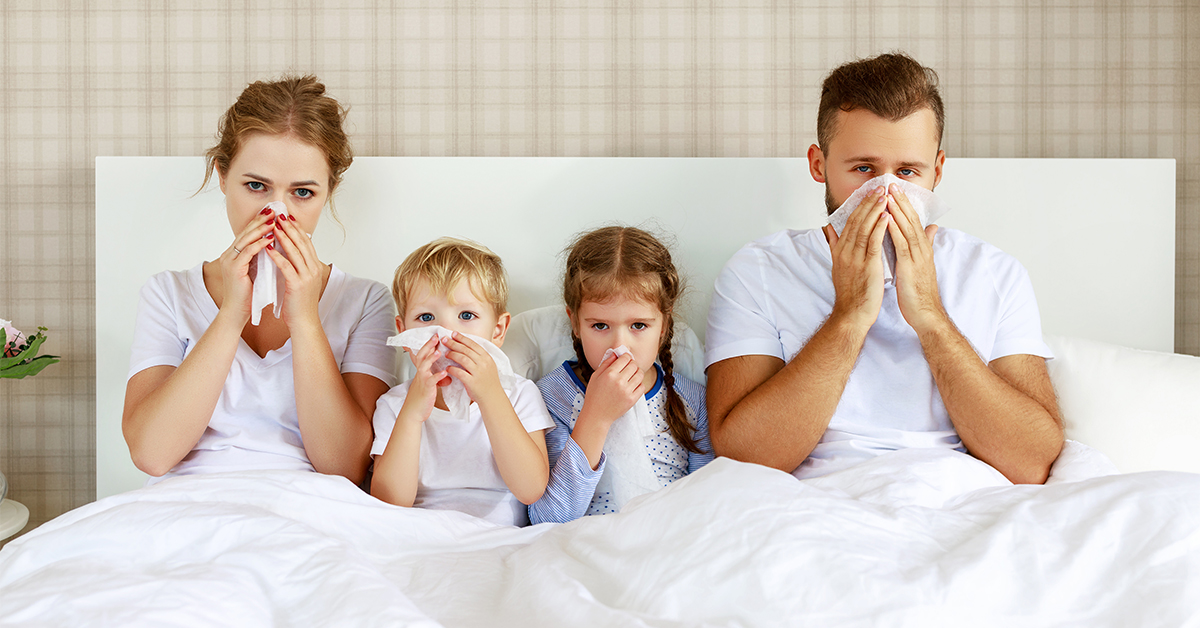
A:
914, 538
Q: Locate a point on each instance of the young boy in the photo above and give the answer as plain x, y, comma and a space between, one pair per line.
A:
493, 463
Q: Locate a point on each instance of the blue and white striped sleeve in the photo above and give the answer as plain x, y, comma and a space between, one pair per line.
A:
693, 396
572, 480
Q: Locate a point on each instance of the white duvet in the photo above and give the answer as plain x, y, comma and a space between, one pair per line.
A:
914, 538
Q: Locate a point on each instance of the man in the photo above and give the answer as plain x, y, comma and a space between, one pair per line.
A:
815, 363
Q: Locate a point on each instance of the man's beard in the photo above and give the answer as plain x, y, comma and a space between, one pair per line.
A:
829, 206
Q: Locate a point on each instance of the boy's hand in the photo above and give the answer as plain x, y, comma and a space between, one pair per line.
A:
422, 393
478, 373
612, 390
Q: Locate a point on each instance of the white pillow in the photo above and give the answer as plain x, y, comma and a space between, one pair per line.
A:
539, 340
1141, 408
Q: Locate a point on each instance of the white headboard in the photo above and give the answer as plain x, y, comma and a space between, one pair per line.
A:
1100, 251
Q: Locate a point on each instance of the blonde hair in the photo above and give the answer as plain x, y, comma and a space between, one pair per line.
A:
447, 261
627, 262
293, 105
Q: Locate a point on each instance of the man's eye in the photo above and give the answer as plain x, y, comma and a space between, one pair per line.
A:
863, 169
425, 318
467, 316
256, 186
907, 172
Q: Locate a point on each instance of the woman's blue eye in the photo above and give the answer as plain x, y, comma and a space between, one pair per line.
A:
467, 316
425, 318
257, 186
304, 193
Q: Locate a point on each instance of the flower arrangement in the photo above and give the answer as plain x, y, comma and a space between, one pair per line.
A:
18, 359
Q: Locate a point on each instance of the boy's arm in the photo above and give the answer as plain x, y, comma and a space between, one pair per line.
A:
520, 455
395, 478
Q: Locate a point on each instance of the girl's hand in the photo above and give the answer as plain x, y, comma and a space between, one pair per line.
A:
235, 262
478, 373
612, 390
303, 273
422, 393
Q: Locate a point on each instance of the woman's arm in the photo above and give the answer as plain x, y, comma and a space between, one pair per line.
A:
167, 408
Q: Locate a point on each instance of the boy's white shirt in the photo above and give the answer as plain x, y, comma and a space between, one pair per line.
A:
627, 470
458, 401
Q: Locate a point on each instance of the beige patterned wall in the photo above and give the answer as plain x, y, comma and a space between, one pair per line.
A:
543, 77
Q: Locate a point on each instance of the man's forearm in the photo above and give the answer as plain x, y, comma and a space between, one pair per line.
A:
781, 420
1008, 422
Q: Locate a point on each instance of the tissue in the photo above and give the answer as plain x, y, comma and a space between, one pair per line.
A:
928, 206
268, 279
627, 471
458, 401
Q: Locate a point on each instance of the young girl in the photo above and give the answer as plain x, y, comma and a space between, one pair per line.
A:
626, 423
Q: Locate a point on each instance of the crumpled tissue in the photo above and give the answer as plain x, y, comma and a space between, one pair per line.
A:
927, 204
458, 401
627, 470
267, 278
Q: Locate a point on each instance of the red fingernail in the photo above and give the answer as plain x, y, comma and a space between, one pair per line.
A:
270, 235
265, 211
271, 246
292, 218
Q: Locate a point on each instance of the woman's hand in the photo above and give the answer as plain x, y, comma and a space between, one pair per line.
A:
235, 262
303, 273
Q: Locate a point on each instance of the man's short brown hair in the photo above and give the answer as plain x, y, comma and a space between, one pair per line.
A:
892, 86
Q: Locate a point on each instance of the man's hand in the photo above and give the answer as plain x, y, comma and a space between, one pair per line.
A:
857, 261
916, 277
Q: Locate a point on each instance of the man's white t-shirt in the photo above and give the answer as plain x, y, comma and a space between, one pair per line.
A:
254, 424
776, 292
457, 470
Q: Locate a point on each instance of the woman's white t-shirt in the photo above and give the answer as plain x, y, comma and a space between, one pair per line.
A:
254, 424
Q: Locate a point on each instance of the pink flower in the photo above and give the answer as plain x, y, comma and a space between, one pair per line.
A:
13, 337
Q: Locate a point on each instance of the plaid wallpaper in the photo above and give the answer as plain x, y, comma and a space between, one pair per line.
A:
546, 77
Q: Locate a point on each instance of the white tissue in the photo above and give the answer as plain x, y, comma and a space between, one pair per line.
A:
627, 471
268, 279
458, 401
928, 206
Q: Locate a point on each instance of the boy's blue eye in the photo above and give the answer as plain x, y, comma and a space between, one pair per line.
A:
425, 318
467, 316
304, 193
256, 186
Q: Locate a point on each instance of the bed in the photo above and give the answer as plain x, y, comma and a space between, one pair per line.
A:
912, 538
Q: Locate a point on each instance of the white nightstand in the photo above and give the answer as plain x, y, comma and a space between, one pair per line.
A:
13, 517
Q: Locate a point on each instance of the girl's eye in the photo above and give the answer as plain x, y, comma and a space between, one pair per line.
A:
425, 318
304, 193
256, 186
599, 326
467, 316
863, 169
907, 172
639, 326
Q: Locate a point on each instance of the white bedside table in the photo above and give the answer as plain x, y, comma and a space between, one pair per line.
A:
13, 517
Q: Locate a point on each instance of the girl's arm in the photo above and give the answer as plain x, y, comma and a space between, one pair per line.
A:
572, 479
168, 408
334, 411
398, 467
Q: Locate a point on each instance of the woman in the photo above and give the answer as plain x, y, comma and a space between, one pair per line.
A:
208, 390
